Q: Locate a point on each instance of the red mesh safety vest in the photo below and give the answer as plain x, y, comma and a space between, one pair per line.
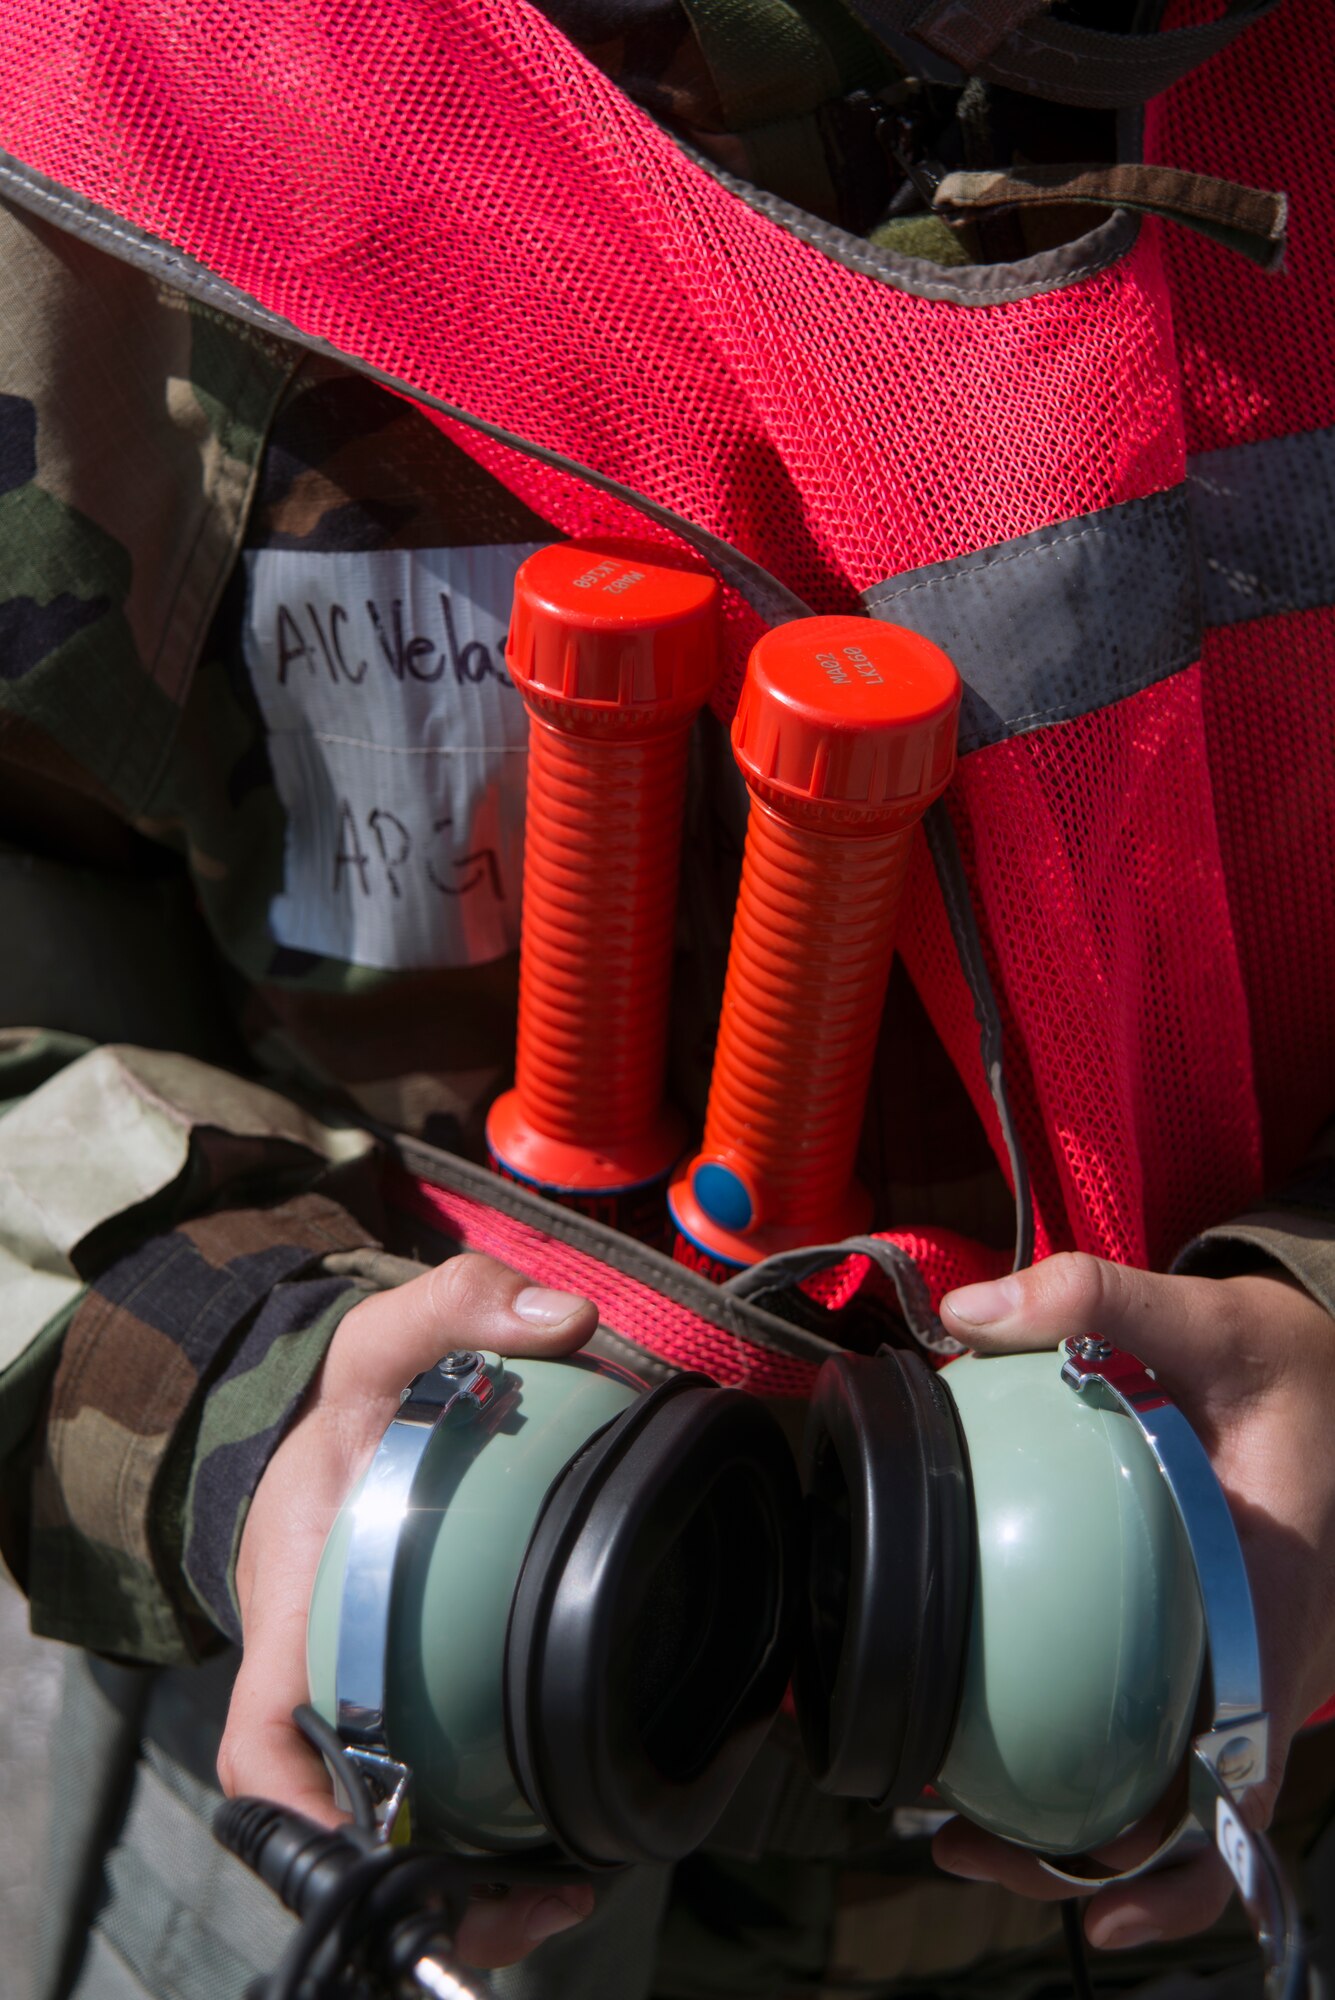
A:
1097, 477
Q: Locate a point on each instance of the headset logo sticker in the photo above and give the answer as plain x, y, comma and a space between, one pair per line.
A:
1232, 1841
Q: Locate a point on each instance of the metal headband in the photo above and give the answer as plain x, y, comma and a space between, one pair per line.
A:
459, 1386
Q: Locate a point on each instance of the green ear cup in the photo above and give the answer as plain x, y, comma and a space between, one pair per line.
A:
572, 1616
451, 1601
1087, 1640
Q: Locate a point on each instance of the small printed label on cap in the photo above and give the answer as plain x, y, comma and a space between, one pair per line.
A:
844, 665
612, 577
399, 749
1233, 1843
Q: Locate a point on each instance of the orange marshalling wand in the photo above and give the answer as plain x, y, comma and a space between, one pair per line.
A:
614, 647
845, 734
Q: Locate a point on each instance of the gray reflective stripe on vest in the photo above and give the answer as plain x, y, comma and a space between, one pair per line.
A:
1042, 628
1075, 617
772, 599
1263, 516
1053, 624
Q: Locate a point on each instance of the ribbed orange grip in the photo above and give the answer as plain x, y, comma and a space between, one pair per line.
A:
600, 892
811, 949
845, 733
613, 646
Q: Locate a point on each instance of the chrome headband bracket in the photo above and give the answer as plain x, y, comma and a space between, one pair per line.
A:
459, 1389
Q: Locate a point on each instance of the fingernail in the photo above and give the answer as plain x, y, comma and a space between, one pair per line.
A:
968, 1871
1122, 1933
985, 1305
551, 1915
544, 1308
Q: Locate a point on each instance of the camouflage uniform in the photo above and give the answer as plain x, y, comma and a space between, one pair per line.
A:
180, 1231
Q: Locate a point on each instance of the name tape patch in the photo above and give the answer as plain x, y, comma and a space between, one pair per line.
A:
399, 750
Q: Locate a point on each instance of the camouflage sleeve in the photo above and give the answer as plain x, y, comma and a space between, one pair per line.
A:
176, 1251
1295, 1230
177, 1244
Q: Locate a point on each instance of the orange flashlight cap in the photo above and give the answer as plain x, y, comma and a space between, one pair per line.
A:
613, 638
847, 722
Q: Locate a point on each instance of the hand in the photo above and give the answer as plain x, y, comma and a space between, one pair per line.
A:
1251, 1361
382, 1343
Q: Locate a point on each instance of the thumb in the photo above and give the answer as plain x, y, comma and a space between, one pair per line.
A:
1171, 1324
468, 1301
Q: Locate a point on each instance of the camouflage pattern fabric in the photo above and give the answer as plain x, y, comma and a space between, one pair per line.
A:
126, 695
798, 98
123, 491
183, 1130
123, 1556
180, 1343
881, 1926
147, 735
796, 1928
349, 472
1295, 1230
342, 471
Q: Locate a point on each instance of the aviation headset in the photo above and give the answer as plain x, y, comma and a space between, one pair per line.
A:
564, 1609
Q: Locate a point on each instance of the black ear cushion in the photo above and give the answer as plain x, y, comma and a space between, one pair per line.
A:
889, 1577
652, 1630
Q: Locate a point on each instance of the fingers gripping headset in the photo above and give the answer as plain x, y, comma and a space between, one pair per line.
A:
560, 1612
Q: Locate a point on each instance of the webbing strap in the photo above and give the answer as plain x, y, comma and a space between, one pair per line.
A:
1249, 220
1061, 60
768, 1283
637, 1262
963, 919
967, 31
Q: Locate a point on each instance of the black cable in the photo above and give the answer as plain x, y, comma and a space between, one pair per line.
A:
326, 1739
367, 1909
1073, 1930
324, 1926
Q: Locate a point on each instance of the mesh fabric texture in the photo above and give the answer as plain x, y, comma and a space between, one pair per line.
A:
452, 192
449, 191
1258, 362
